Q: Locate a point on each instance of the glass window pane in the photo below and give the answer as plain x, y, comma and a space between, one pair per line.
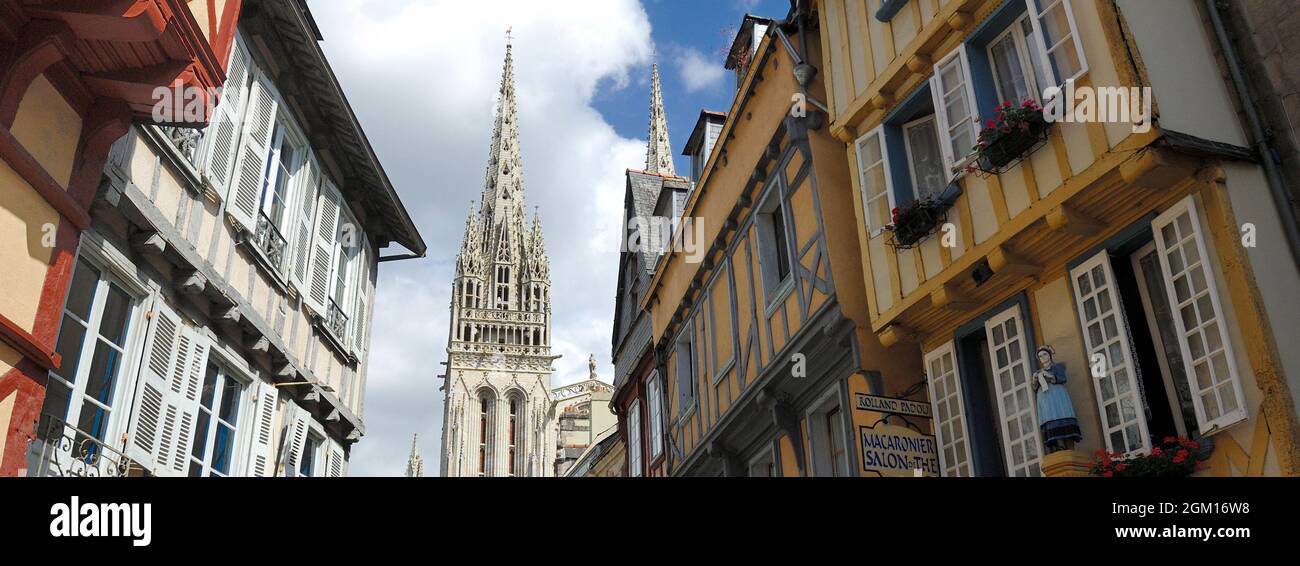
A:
231, 392
222, 448
93, 421
209, 386
117, 316
81, 293
928, 177
103, 373
201, 435
57, 397
71, 336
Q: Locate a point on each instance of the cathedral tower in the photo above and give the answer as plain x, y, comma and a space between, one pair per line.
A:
498, 409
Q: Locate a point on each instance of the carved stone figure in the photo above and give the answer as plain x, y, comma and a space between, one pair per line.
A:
1056, 418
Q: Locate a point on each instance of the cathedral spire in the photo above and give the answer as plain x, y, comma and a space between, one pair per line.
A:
414, 463
504, 187
659, 153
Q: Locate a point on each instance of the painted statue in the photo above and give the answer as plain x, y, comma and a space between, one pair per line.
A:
1056, 416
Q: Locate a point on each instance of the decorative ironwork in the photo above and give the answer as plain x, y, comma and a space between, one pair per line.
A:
335, 320
271, 242
185, 140
64, 451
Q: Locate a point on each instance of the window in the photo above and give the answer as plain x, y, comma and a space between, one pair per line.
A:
654, 398
826, 424
763, 466
1017, 411
1057, 41
634, 439
1202, 336
307, 466
954, 104
685, 362
774, 245
924, 160
873, 177
214, 435
949, 412
97, 320
1017, 63
485, 425
282, 165
513, 433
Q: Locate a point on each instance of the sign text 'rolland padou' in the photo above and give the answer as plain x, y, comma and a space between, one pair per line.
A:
893, 405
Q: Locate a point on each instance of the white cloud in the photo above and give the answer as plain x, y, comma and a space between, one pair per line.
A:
422, 77
698, 71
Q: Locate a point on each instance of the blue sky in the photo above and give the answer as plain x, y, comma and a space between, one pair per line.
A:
680, 27
426, 102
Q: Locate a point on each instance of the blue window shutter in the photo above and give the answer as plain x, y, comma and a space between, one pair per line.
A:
889, 9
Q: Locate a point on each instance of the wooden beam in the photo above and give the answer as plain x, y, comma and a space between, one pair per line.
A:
1003, 261
191, 282
895, 334
260, 345
1066, 219
951, 297
228, 315
149, 243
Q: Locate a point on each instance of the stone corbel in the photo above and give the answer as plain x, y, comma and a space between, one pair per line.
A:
731, 466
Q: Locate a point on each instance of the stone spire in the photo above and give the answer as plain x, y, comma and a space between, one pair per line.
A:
659, 153
503, 190
414, 463
539, 268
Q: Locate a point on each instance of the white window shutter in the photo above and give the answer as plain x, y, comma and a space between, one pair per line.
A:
222, 139
152, 386
361, 312
181, 404
295, 438
259, 458
322, 247
1016, 402
336, 460
1106, 333
300, 273
1203, 338
245, 195
944, 378
954, 107
1058, 40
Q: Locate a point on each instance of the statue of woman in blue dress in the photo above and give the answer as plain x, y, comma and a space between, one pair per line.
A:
1056, 416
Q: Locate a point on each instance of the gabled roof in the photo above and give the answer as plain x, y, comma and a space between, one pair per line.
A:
304, 74
697, 135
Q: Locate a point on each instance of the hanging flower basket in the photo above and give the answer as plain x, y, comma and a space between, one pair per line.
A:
914, 223
1015, 132
1176, 457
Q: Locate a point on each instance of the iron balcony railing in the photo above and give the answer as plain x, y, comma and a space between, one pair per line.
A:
336, 320
271, 242
62, 450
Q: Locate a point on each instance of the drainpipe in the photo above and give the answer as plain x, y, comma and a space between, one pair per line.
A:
1258, 134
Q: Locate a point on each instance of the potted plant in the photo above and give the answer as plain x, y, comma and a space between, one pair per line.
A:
916, 221
1013, 132
1176, 457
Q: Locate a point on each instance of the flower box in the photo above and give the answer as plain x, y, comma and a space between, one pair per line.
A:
916, 222
1016, 131
1176, 457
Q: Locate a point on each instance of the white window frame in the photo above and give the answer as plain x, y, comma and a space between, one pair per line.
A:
317, 454
775, 290
1036, 438
655, 404
1030, 63
933, 120
950, 421
1035, 16
634, 451
686, 342
1120, 371
823, 463
937, 91
125, 381
1169, 218
888, 192
241, 427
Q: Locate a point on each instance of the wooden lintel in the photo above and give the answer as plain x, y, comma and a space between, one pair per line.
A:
1066, 219
895, 334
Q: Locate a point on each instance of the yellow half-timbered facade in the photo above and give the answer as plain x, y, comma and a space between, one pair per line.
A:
1133, 242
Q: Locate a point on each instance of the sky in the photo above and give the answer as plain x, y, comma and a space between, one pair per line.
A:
422, 77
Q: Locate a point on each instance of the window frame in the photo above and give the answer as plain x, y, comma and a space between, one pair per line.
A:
1048, 71
239, 434
952, 162
775, 287
654, 411
635, 451
687, 378
953, 396
821, 430
1030, 63
888, 192
933, 119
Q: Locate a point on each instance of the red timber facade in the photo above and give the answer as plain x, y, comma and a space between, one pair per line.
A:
73, 77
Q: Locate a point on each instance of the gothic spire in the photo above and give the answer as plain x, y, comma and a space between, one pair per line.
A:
503, 191
414, 463
469, 262
539, 268
659, 153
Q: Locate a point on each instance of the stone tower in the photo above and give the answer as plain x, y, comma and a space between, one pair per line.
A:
498, 411
658, 153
